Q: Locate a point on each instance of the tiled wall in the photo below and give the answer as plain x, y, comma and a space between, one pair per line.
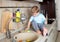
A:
26, 11
17, 3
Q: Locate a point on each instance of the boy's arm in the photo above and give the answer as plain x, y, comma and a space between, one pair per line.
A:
28, 25
31, 18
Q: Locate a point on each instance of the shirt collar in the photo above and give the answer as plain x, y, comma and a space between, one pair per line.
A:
38, 13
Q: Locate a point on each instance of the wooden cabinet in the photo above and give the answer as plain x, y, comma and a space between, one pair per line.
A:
48, 7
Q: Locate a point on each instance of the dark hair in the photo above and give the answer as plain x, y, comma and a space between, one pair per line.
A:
36, 8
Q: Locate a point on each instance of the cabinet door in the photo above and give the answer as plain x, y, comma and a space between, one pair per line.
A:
50, 37
53, 35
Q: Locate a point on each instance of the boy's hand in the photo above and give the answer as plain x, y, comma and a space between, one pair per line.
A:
28, 26
27, 29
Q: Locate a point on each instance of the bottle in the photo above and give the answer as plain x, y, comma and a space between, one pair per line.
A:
18, 15
14, 15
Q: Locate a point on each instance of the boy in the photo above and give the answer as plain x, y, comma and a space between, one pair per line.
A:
37, 20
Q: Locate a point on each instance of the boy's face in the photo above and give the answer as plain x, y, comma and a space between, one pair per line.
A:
34, 11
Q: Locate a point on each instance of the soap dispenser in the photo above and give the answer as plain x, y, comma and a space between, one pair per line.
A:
18, 15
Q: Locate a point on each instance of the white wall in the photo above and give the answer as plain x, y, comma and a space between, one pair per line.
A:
58, 13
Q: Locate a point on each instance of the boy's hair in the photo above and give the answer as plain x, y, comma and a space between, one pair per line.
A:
36, 8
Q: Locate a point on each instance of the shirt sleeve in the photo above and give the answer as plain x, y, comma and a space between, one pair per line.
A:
43, 17
31, 18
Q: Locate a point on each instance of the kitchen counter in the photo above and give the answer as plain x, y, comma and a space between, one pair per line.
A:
40, 38
50, 27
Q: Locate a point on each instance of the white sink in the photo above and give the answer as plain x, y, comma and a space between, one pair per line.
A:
31, 36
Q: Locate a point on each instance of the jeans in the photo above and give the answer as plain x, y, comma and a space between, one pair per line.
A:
37, 26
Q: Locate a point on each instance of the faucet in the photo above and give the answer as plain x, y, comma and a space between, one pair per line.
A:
8, 33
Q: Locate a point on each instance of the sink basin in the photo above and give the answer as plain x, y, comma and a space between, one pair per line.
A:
31, 36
